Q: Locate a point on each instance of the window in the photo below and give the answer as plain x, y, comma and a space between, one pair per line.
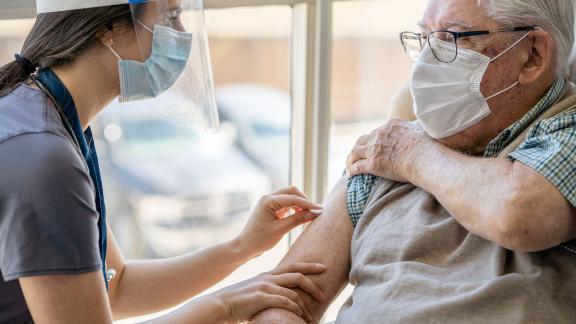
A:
369, 67
170, 190
12, 34
188, 191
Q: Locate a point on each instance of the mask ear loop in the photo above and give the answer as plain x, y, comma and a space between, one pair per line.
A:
509, 48
501, 92
114, 52
497, 57
144, 26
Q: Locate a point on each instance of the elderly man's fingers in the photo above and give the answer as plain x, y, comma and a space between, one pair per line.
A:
363, 140
360, 167
358, 153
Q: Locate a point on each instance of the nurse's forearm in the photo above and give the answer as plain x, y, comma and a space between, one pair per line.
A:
149, 286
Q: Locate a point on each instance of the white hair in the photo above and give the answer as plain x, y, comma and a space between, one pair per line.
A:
554, 16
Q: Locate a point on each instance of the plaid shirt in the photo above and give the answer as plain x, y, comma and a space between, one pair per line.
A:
549, 149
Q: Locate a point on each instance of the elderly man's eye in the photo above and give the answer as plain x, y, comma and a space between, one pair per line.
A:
466, 42
444, 36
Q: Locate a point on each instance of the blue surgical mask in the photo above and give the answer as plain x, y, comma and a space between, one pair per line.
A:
170, 52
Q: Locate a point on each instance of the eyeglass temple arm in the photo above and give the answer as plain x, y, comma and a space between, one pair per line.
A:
486, 32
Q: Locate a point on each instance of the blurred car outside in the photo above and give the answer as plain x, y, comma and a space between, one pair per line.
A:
169, 189
261, 116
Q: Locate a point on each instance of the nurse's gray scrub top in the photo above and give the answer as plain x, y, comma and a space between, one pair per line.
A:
48, 216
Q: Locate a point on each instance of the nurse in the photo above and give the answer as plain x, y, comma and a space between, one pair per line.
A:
59, 262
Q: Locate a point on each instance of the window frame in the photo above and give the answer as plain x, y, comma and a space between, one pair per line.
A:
21, 9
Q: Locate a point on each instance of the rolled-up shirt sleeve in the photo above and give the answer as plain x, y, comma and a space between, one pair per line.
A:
357, 195
550, 149
48, 217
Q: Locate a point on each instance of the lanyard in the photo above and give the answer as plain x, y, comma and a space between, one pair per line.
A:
51, 85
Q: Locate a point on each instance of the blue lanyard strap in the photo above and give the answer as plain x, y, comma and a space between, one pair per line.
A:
63, 101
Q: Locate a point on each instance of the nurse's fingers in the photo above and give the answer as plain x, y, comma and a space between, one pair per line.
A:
279, 202
275, 301
305, 268
290, 222
291, 191
298, 280
289, 211
292, 295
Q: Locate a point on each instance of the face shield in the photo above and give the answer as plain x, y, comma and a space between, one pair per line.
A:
175, 66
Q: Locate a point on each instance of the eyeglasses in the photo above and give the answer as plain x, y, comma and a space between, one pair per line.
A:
414, 43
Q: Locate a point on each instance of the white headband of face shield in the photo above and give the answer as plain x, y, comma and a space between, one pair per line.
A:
46, 6
447, 96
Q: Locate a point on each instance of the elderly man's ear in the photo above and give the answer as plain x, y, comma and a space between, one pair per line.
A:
539, 59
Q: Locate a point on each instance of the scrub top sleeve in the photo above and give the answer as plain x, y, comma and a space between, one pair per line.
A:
48, 217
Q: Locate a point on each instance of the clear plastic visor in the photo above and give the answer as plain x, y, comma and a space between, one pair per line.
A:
173, 44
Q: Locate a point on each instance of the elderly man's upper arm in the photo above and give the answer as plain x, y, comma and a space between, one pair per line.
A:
326, 240
550, 150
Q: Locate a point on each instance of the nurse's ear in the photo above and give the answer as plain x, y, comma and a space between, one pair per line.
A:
539, 57
106, 38
121, 37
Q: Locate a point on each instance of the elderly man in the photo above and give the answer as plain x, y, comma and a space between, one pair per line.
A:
470, 215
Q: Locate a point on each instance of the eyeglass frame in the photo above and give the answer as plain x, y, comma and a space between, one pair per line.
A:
458, 35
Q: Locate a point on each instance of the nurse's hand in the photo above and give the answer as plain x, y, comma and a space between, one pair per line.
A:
273, 217
244, 300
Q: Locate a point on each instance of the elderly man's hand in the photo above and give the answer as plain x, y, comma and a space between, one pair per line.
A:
388, 151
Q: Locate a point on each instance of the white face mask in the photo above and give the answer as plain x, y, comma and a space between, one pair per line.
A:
447, 97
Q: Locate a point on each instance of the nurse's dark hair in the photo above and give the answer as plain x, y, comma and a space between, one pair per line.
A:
58, 38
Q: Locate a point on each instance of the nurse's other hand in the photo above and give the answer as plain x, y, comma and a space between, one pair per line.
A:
274, 216
244, 300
